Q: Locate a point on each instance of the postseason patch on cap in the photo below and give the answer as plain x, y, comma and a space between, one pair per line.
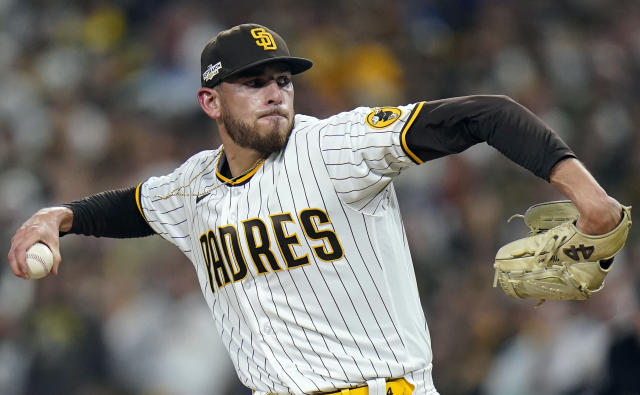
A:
211, 71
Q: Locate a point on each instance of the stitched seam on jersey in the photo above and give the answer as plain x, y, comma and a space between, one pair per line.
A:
403, 135
270, 322
241, 313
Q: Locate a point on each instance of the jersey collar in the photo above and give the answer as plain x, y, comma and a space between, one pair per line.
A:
223, 172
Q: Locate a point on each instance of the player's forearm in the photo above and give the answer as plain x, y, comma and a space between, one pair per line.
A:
573, 180
109, 214
599, 213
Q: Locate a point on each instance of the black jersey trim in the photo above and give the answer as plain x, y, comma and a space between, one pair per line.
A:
403, 134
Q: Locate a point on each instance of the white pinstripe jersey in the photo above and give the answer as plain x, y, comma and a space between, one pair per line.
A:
304, 262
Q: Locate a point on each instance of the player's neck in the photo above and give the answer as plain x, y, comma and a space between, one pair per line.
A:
240, 159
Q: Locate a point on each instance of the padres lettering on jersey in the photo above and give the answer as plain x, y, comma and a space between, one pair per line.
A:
305, 265
256, 239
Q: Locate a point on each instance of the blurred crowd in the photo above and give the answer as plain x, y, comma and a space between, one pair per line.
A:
100, 94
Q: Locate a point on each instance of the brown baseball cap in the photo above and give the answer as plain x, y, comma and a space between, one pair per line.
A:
242, 47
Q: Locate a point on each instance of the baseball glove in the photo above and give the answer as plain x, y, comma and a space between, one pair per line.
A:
557, 261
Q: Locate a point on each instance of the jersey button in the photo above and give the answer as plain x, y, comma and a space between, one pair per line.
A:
266, 329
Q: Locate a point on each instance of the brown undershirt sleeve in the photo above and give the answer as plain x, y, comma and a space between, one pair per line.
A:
109, 214
452, 125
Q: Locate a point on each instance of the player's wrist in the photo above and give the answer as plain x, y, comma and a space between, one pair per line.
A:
600, 216
60, 215
599, 213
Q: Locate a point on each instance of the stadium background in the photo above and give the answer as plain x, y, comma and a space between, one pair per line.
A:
97, 95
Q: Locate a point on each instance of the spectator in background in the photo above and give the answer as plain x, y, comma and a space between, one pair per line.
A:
623, 360
84, 87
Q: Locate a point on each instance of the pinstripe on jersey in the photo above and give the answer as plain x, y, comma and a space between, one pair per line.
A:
304, 265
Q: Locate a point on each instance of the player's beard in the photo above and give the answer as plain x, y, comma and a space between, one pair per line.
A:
248, 135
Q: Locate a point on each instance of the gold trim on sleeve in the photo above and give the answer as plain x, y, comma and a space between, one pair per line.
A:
405, 147
138, 201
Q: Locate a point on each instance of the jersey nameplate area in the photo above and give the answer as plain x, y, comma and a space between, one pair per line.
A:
381, 117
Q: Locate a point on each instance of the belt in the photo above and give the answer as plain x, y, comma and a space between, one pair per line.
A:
393, 387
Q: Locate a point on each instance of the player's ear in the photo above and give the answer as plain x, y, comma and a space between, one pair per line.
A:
208, 99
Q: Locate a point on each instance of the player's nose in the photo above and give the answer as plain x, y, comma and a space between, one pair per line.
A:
273, 93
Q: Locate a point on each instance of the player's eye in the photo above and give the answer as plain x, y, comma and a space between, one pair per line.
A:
254, 83
283, 81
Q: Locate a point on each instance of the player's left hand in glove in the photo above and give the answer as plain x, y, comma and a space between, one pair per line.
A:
557, 261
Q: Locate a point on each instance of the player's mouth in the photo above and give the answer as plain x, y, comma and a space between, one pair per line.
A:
273, 115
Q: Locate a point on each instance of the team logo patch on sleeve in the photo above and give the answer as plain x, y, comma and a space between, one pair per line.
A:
381, 117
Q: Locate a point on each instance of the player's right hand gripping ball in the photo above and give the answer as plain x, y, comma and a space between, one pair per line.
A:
39, 261
557, 261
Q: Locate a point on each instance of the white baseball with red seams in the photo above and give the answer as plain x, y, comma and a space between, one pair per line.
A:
39, 261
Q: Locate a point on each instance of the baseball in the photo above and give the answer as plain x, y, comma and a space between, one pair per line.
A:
39, 261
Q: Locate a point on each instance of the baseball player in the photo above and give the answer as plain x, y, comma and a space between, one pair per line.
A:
293, 226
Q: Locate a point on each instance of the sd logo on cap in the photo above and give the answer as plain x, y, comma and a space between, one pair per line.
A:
242, 47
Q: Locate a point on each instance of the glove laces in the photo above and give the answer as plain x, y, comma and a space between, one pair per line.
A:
551, 243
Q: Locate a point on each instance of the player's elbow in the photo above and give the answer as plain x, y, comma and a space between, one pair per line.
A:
503, 105
499, 101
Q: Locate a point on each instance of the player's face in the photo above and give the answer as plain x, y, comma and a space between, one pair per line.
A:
256, 108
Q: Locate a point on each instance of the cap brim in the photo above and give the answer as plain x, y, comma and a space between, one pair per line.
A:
296, 65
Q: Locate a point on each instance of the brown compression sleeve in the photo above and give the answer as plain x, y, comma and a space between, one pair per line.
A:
109, 214
450, 126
